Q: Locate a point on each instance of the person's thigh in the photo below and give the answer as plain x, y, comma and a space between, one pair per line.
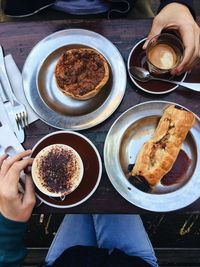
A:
77, 229
125, 232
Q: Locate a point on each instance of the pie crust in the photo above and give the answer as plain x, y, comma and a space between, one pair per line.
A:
81, 73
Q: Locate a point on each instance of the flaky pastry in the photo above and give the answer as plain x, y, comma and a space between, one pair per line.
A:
159, 153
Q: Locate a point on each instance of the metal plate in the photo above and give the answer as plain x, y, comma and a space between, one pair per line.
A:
49, 103
123, 142
55, 99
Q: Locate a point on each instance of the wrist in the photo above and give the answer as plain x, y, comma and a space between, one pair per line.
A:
14, 215
10, 223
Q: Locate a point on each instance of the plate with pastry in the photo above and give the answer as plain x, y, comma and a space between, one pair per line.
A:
74, 79
151, 156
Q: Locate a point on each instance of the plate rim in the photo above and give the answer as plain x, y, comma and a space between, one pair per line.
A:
106, 104
145, 195
135, 81
99, 174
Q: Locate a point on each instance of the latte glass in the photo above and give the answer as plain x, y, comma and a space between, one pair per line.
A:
164, 53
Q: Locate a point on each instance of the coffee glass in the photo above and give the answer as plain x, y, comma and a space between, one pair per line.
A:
57, 170
164, 53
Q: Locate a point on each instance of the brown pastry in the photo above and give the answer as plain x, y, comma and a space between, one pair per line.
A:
158, 154
81, 73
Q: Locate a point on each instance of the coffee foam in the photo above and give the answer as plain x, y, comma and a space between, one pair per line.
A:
57, 170
162, 56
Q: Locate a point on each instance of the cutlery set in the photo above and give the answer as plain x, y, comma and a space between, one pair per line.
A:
13, 114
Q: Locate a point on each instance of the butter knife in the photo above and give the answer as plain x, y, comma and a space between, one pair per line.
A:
7, 116
4, 78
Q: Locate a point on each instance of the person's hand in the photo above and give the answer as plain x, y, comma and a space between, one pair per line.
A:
13, 204
178, 17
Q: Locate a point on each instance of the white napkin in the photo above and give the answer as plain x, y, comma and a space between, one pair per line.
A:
15, 78
9, 143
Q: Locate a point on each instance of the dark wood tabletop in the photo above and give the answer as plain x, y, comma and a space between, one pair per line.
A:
18, 38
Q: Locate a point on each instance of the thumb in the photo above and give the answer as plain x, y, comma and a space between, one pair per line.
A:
29, 195
155, 30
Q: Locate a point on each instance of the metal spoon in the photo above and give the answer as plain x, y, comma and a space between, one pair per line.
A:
143, 75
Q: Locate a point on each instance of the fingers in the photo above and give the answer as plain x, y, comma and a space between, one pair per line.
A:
2, 158
15, 170
193, 61
189, 50
178, 17
190, 38
9, 162
155, 30
29, 195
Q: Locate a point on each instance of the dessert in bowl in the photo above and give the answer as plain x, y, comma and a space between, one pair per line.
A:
57, 170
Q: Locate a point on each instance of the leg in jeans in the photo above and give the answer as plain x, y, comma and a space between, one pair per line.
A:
125, 232
77, 229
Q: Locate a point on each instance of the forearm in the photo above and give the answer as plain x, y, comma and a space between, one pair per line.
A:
188, 3
12, 249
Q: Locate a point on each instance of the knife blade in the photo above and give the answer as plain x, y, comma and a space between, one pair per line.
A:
4, 78
7, 116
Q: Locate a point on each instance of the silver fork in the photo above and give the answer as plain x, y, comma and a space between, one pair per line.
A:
19, 110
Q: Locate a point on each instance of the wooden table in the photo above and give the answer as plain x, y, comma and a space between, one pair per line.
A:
18, 38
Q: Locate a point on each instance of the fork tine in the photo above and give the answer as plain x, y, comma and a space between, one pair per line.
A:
24, 117
20, 119
17, 120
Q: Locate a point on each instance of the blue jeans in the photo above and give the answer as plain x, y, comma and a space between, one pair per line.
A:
125, 232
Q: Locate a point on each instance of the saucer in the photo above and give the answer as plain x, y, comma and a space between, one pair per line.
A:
91, 162
137, 57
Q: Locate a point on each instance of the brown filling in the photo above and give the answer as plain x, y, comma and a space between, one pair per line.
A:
79, 71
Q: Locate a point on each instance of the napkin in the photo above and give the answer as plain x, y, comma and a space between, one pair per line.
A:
9, 143
15, 78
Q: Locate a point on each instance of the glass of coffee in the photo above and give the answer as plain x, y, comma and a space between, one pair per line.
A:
164, 52
57, 170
